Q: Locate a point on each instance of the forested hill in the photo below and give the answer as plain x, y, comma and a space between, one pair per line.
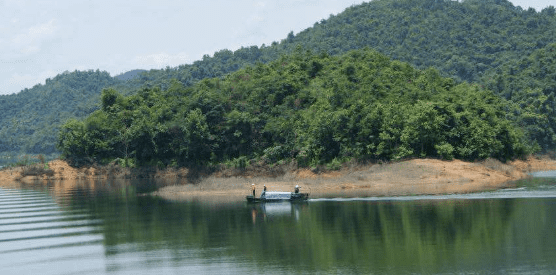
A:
129, 75
316, 109
29, 120
463, 40
530, 84
467, 40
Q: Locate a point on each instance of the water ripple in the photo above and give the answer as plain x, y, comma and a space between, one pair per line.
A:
37, 234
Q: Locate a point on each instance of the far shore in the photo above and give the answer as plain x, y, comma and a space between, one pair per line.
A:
408, 177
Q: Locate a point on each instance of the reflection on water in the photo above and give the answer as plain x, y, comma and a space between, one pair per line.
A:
544, 174
106, 228
265, 212
38, 236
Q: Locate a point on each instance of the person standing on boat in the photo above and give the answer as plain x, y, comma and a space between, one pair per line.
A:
264, 190
297, 189
253, 188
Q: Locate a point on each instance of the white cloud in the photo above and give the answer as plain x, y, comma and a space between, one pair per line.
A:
29, 42
161, 60
257, 18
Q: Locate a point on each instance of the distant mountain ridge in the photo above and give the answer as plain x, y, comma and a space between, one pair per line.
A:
464, 40
129, 75
29, 120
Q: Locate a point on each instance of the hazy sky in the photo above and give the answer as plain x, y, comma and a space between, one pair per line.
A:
42, 38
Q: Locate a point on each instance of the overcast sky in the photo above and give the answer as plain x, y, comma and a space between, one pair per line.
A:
42, 38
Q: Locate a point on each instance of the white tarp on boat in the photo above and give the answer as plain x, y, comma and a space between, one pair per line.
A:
277, 195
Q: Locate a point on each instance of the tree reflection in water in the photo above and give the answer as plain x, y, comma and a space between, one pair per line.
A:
434, 236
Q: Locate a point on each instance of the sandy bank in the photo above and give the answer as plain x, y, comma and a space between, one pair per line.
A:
411, 177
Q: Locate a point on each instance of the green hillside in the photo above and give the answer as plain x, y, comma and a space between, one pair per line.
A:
463, 40
316, 109
30, 119
530, 83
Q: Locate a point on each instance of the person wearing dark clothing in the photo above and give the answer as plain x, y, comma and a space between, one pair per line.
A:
264, 191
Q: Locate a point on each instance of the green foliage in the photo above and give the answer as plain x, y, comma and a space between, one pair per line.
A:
335, 164
126, 162
196, 138
275, 153
358, 105
530, 83
445, 150
239, 162
31, 119
109, 98
72, 140
462, 39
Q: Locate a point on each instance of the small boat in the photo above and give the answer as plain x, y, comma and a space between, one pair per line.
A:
278, 196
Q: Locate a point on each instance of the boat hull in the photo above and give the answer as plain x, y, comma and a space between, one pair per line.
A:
292, 197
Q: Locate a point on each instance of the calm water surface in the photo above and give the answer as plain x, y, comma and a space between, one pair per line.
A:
78, 229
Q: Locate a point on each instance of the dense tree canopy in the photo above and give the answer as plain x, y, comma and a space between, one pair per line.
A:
461, 39
317, 109
30, 120
530, 84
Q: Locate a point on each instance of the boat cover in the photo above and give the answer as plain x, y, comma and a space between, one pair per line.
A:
277, 195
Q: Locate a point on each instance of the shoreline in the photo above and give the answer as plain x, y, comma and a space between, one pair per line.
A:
408, 177
405, 178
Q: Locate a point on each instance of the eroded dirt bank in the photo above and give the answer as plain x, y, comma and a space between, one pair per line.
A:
411, 177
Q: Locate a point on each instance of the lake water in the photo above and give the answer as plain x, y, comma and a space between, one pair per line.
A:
78, 229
